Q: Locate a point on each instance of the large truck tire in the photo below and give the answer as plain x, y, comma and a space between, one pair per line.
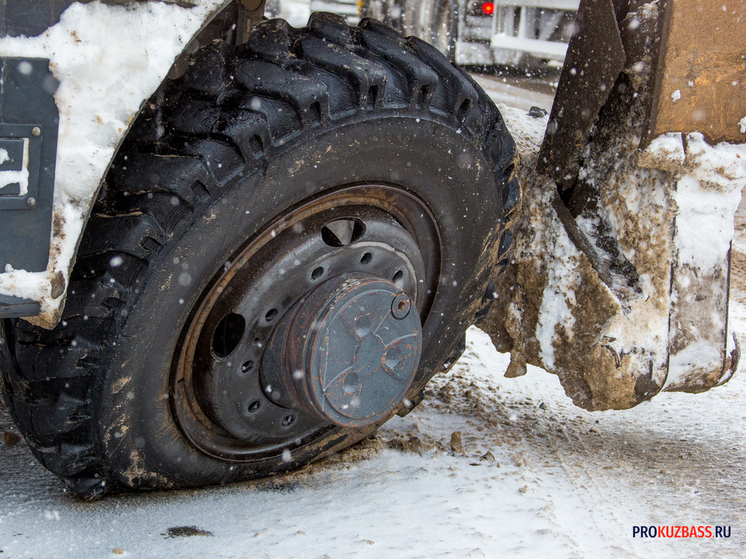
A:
254, 194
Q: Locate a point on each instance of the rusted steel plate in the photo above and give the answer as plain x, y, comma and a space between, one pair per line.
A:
702, 80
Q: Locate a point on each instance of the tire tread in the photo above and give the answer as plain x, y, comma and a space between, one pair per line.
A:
194, 138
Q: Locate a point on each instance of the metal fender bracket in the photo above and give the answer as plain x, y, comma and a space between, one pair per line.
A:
20, 150
28, 148
15, 306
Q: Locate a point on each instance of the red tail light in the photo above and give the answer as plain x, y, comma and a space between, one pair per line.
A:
488, 8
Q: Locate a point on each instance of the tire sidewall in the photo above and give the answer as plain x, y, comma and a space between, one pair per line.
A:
434, 160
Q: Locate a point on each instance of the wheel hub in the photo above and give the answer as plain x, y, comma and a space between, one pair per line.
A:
347, 353
288, 304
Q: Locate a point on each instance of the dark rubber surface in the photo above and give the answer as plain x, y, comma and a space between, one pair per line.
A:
244, 135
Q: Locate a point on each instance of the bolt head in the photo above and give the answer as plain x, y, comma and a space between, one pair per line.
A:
400, 306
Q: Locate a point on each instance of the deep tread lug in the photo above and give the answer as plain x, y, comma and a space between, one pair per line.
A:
161, 207
501, 149
41, 361
272, 41
70, 459
383, 30
169, 174
88, 488
368, 77
308, 97
209, 70
222, 161
196, 116
506, 244
331, 27
125, 231
124, 269
511, 198
247, 130
455, 94
422, 79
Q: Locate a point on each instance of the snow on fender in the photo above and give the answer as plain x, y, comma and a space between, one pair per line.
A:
108, 59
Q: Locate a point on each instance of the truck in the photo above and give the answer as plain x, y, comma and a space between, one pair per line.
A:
230, 247
528, 34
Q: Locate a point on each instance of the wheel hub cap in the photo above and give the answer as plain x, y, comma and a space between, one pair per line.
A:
347, 353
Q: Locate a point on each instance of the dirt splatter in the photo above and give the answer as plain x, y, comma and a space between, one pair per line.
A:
603, 285
10, 438
186, 532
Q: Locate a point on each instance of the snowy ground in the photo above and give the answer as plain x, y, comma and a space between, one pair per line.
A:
532, 476
536, 477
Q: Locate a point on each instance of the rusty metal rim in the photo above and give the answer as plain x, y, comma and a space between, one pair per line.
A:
197, 425
347, 352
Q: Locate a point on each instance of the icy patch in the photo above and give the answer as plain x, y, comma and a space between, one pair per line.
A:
676, 95
108, 60
4, 156
742, 124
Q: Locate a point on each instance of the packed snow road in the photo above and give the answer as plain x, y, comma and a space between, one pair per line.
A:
529, 475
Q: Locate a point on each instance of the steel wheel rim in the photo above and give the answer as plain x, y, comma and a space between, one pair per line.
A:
385, 210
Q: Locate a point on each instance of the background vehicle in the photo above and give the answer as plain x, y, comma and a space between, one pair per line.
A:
527, 33
228, 251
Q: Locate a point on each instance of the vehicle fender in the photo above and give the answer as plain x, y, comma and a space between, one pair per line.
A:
108, 59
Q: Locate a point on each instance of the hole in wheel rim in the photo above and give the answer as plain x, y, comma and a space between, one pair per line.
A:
228, 334
342, 232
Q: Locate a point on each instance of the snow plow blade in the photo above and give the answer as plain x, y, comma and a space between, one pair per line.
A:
620, 279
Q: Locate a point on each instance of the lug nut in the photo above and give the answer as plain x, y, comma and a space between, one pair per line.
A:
400, 306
